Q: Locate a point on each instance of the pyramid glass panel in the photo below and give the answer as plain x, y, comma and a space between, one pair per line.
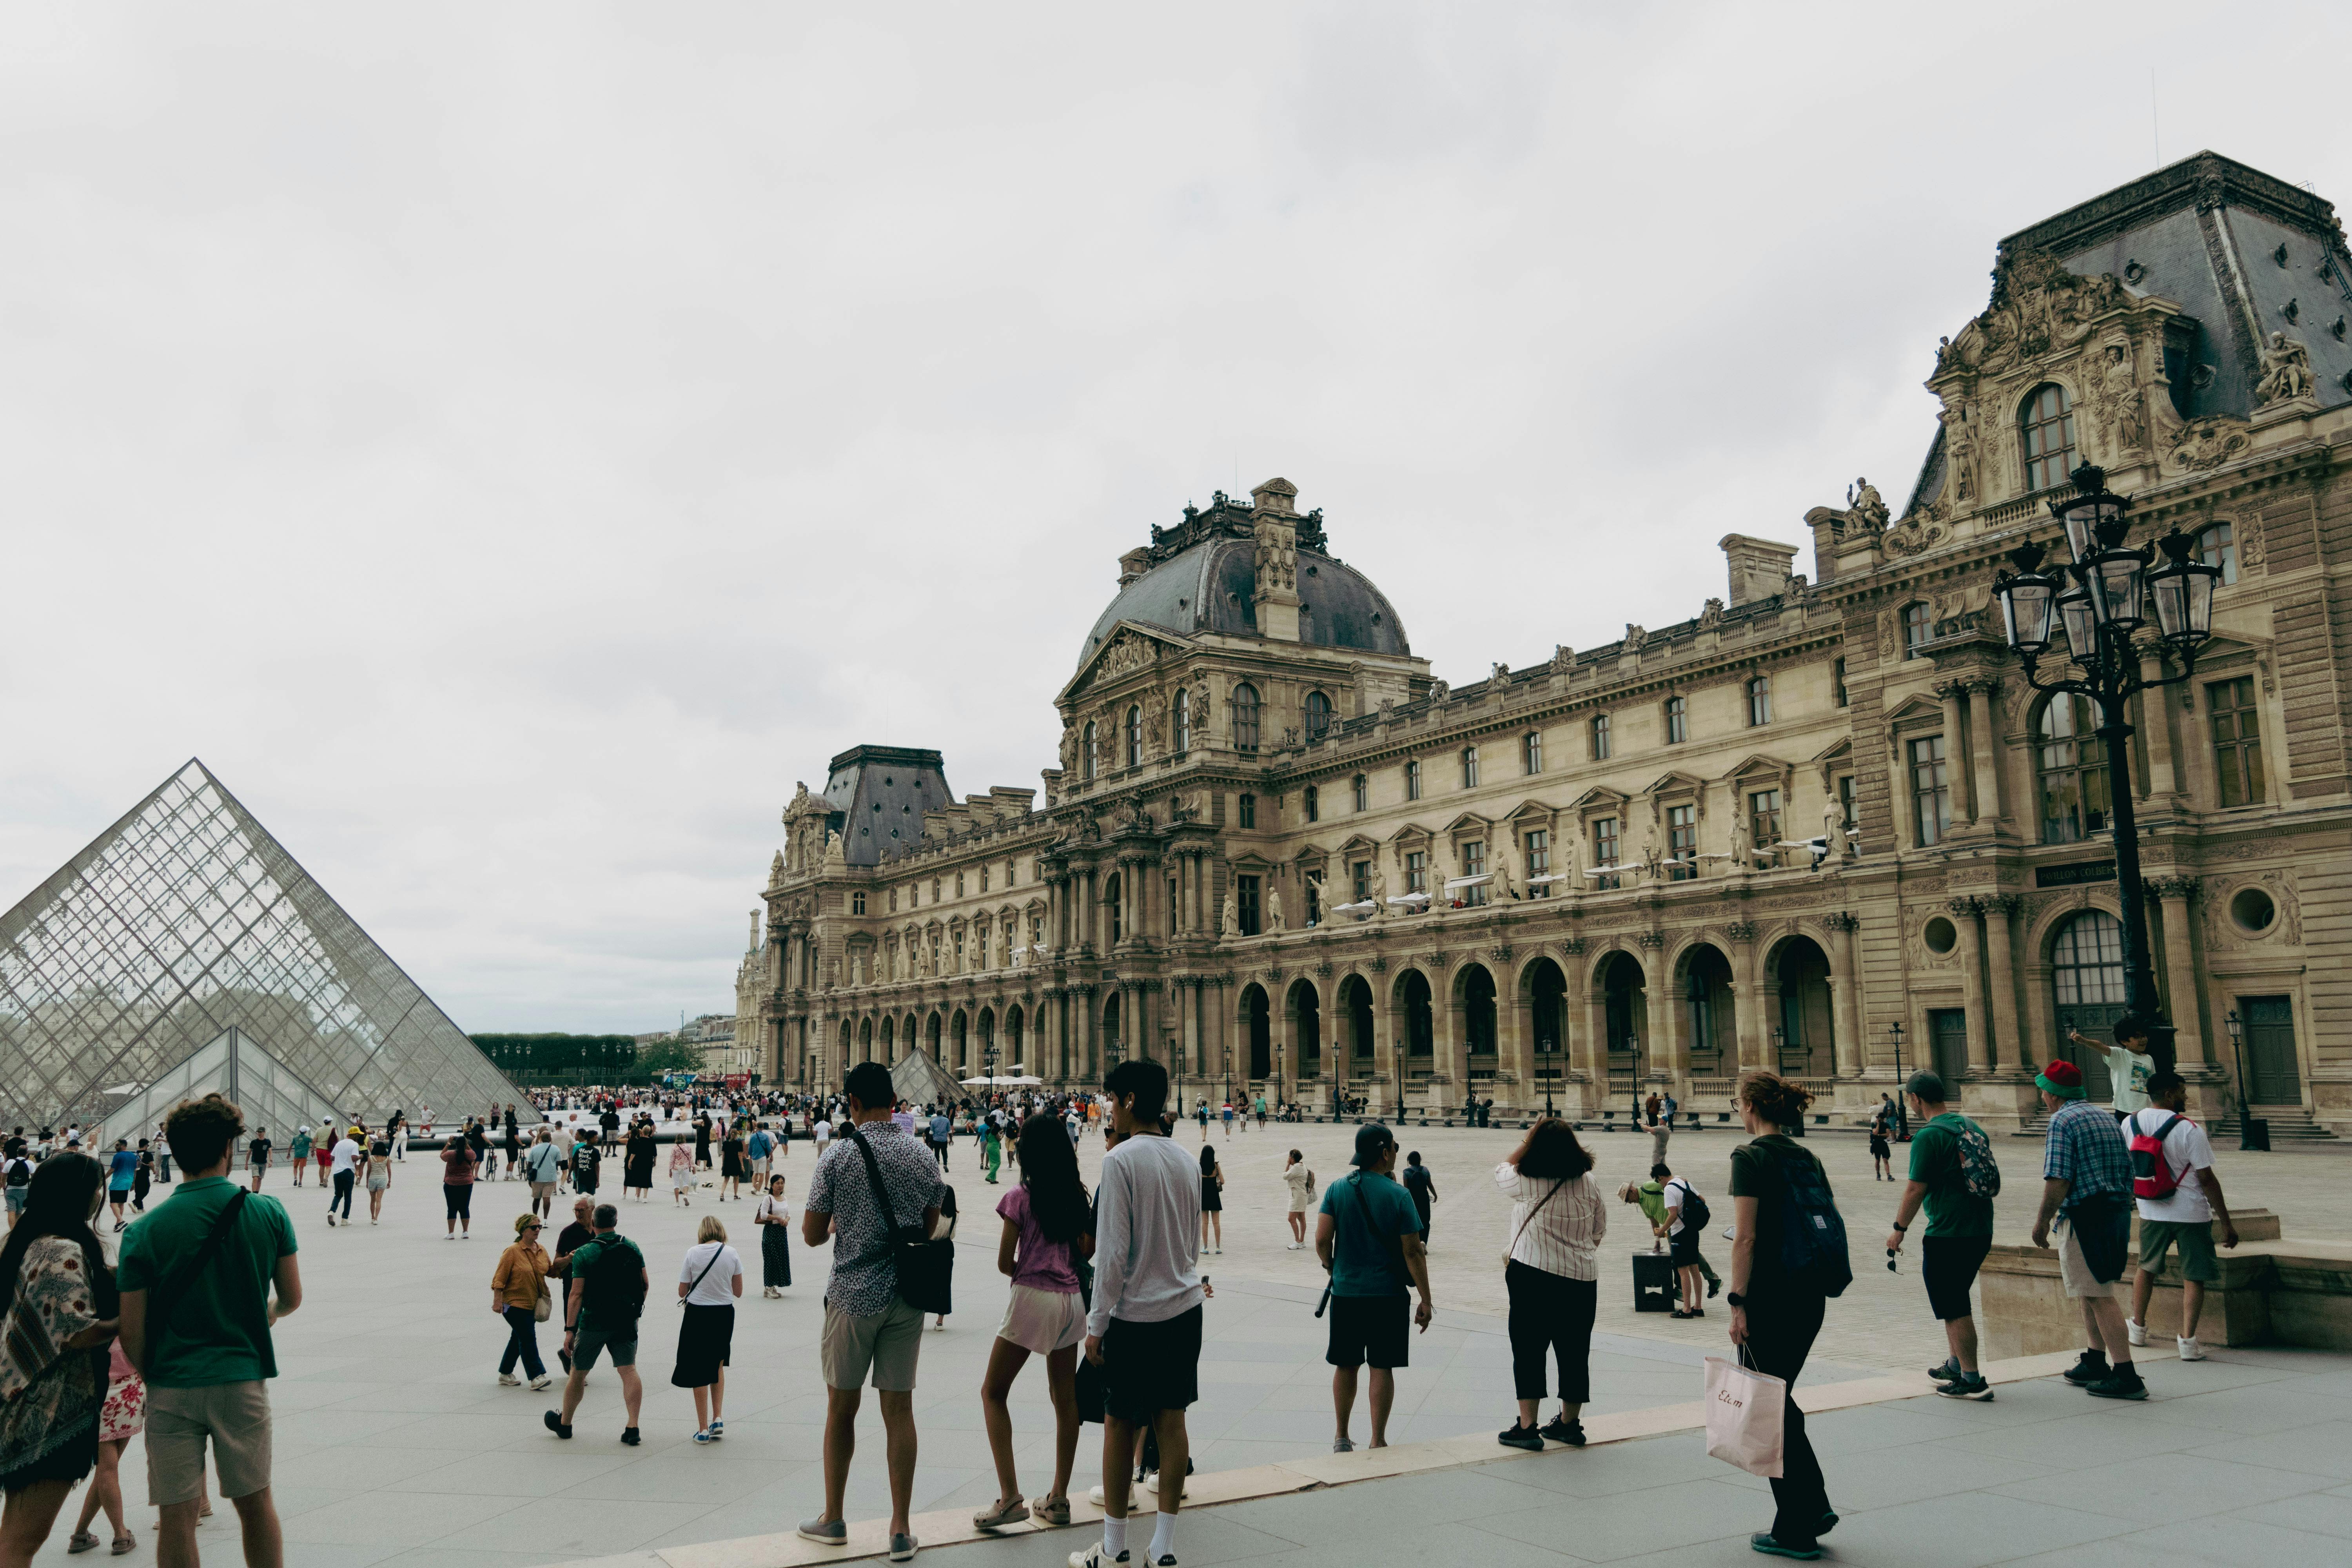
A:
185, 947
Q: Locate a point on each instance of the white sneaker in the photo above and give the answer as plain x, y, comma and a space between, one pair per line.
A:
2135, 1331
1095, 1557
2190, 1349
508, 1380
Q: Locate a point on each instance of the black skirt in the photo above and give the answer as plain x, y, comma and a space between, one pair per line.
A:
1212, 1202
705, 1336
775, 1257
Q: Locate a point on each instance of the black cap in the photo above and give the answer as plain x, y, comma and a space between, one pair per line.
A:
1372, 1141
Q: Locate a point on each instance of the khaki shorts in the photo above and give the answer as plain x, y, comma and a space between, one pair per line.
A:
2195, 1239
887, 1343
2074, 1270
234, 1416
542, 1191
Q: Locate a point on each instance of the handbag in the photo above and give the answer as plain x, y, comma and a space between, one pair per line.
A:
925, 1266
1744, 1412
544, 1308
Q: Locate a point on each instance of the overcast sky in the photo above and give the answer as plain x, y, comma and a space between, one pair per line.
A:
511, 445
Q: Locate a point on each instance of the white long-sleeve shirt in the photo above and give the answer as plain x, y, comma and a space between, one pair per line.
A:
1147, 1235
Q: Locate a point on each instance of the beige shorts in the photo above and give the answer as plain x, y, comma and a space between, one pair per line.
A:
2074, 1269
887, 1344
1043, 1322
234, 1416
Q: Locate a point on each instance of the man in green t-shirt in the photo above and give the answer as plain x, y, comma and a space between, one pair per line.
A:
196, 1320
608, 1294
1959, 1228
1368, 1235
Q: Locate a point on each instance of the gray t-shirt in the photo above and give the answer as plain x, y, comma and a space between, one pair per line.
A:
864, 1279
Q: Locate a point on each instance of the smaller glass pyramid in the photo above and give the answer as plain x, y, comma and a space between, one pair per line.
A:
185, 950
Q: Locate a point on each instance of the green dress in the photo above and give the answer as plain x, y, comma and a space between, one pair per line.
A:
991, 1148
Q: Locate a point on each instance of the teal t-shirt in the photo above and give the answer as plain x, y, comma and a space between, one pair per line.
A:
1365, 1259
218, 1330
1952, 1209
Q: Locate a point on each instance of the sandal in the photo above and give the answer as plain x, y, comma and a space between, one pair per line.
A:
125, 1543
1003, 1514
81, 1540
1052, 1510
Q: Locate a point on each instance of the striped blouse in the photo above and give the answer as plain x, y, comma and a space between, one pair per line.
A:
1561, 1236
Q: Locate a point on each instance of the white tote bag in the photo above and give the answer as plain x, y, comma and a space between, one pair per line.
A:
1744, 1411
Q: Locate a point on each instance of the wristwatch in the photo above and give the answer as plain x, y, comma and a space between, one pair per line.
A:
1900, 1226
1735, 1300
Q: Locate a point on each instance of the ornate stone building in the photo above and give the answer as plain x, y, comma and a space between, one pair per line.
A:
1277, 850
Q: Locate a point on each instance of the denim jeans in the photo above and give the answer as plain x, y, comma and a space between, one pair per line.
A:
522, 1344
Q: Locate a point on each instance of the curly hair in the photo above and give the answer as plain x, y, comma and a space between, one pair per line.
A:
1775, 1098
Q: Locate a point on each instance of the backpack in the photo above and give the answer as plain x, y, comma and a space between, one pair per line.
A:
1696, 1213
2152, 1174
1979, 1172
20, 1174
612, 1293
1813, 1232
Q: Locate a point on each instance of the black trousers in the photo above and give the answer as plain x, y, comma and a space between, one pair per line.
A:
343, 1180
1550, 1312
522, 1344
1780, 1332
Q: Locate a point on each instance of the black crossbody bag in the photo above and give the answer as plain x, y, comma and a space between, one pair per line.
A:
926, 1268
160, 1304
1394, 1247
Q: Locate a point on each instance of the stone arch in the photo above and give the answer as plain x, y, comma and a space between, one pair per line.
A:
931, 1035
1113, 1015
847, 1043
890, 1039
1352, 1026
1621, 1007
1255, 1022
1795, 999
1472, 998
958, 1043
1302, 1025
985, 1027
1703, 1011
1016, 1019
1413, 1017
1543, 992
864, 1039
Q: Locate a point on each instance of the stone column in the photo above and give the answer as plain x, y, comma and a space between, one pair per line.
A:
1953, 694
2192, 1045
2154, 723
1089, 1058
2000, 980
1747, 1025
1985, 745
1972, 988
1844, 985
1220, 1025
1384, 1065
1452, 1047
1576, 1047
1514, 1050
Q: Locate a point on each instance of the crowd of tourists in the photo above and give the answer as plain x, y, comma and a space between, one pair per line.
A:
169, 1332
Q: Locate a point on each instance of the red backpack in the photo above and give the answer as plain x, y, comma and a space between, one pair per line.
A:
2152, 1177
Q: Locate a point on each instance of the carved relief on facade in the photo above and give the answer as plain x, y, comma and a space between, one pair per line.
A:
2223, 905
1125, 654
2037, 306
2203, 444
2286, 371
1277, 556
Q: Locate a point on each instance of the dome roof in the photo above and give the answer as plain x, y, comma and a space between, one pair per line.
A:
1209, 586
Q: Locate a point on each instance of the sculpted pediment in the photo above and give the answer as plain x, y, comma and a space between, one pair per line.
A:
2037, 306
1130, 647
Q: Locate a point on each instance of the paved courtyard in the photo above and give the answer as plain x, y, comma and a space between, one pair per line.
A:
395, 1446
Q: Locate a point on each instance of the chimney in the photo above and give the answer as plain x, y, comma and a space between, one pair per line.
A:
1759, 567
1274, 523
1277, 495
1132, 565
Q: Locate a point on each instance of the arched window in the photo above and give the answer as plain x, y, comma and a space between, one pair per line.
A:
2073, 766
1601, 737
1915, 629
1184, 722
1531, 751
1318, 715
1412, 781
1313, 798
2087, 960
1244, 706
1678, 721
1093, 760
2218, 546
1134, 737
1759, 700
1469, 767
1364, 790
2047, 427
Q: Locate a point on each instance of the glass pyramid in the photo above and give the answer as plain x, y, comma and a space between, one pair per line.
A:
185, 950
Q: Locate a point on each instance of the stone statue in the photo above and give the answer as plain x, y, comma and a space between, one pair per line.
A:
1379, 886
1274, 908
799, 795
1635, 638
1743, 847
776, 868
1070, 747
1833, 826
1712, 614
1229, 918
1650, 851
833, 847
2286, 371
1501, 675
1440, 690
1502, 886
1865, 506
1563, 658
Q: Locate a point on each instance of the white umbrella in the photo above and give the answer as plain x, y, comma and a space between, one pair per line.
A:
1453, 882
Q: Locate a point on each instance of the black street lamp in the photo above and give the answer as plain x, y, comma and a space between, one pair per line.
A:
2099, 602
2251, 1135
1545, 1070
1902, 1117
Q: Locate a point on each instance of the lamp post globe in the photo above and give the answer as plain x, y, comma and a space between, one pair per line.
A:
2100, 601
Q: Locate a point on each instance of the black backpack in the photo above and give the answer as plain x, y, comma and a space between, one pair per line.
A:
20, 1174
1696, 1213
613, 1293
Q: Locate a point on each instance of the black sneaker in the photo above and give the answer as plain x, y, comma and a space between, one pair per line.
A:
557, 1425
2124, 1383
1713, 1287
629, 1437
2092, 1368
1946, 1370
1561, 1429
1828, 1522
1967, 1386
1518, 1436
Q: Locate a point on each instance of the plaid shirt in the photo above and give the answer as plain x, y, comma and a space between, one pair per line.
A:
2086, 1149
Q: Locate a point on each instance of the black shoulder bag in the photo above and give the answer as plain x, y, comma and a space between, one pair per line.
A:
1395, 1247
926, 1268
160, 1304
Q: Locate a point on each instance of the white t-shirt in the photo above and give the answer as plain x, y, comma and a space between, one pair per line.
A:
1675, 1204
346, 1155
2128, 1072
2187, 1150
824, 1135
717, 1287
772, 1207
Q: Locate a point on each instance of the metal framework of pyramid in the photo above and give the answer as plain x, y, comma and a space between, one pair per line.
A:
185, 951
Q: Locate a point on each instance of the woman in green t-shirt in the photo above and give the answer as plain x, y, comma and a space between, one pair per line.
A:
1775, 1315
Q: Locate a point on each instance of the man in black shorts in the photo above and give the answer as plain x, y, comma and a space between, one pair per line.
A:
1369, 1236
1144, 1330
1959, 1228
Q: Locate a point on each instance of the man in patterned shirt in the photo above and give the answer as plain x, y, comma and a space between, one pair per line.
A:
869, 1328
2086, 1186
